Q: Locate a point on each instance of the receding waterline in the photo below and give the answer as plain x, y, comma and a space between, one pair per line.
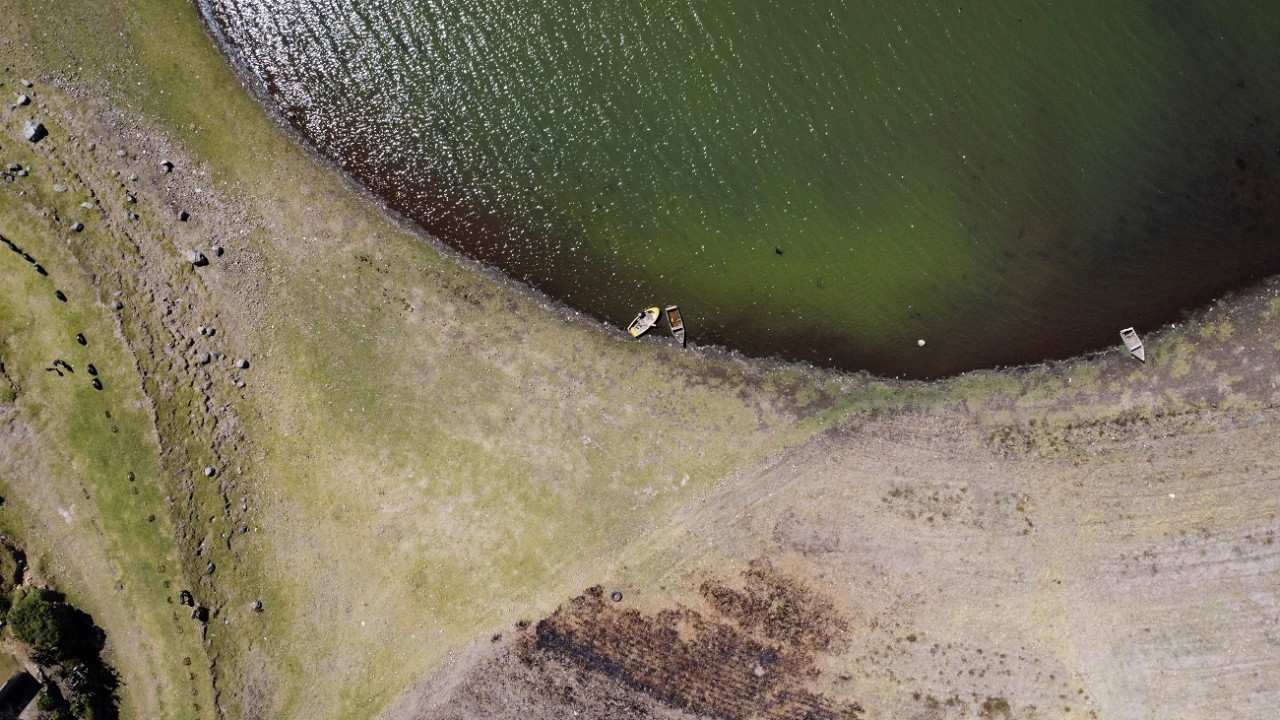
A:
829, 183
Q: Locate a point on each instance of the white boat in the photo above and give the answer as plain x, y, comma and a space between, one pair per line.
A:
1133, 343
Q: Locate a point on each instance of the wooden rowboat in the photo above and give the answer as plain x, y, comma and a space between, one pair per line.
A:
643, 322
676, 323
1131, 341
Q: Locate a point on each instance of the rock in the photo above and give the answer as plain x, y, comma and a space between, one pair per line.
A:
88, 205
205, 359
209, 569
202, 330
25, 83
131, 215
117, 305
133, 177
210, 471
121, 153
242, 363
59, 188
183, 215
14, 167
34, 131
129, 198
210, 332
217, 251
77, 226
166, 166
21, 173
197, 258
22, 100
256, 605
185, 598
920, 342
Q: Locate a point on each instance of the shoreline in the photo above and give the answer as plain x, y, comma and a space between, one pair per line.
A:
459, 458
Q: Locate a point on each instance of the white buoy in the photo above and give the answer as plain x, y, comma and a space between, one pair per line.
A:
920, 343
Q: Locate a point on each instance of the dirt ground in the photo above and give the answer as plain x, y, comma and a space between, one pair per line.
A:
433, 480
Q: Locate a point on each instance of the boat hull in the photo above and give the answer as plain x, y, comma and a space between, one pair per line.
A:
675, 322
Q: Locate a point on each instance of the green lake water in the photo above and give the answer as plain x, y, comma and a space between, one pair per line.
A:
820, 181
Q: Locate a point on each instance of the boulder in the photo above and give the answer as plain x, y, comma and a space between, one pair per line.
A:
22, 100
242, 363
77, 227
166, 166
197, 258
34, 131
210, 471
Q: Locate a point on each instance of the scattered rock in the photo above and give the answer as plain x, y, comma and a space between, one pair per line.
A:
22, 99
210, 332
77, 226
121, 152
242, 363
217, 251
202, 330
34, 131
14, 167
88, 205
183, 215
59, 188
117, 305
166, 166
197, 258
209, 569
205, 359
210, 471
186, 598
132, 215
244, 529
256, 605
131, 198
133, 177
25, 83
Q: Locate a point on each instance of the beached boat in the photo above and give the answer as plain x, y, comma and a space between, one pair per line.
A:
676, 323
643, 322
1131, 341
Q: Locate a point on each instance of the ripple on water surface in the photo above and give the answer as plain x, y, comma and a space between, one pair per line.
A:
830, 181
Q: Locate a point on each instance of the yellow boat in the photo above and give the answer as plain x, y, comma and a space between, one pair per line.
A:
643, 322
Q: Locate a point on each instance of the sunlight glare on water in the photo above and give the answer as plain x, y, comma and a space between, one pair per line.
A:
824, 181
